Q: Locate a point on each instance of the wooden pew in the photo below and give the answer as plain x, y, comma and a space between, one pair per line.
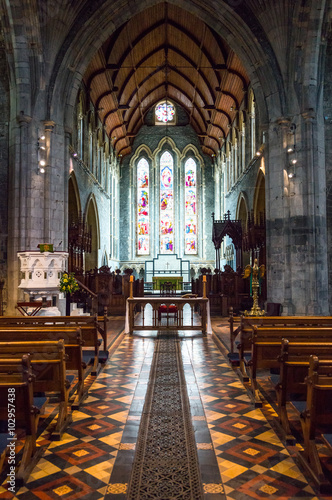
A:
316, 416
294, 364
49, 369
242, 325
73, 348
266, 347
92, 321
89, 335
19, 409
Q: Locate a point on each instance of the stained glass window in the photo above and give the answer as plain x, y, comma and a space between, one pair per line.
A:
143, 221
190, 207
166, 203
165, 112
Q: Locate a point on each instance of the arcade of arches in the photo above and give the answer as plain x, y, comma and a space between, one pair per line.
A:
250, 111
124, 125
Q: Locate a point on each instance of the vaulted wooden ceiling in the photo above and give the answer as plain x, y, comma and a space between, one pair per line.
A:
166, 52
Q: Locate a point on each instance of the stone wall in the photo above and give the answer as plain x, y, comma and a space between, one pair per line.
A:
328, 156
4, 140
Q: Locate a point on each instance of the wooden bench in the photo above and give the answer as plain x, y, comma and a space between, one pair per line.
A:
73, 348
242, 325
19, 410
94, 321
290, 383
266, 347
89, 335
48, 366
316, 418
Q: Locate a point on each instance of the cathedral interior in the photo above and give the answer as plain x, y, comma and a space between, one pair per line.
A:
153, 144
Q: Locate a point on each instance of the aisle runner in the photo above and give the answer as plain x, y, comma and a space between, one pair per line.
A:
165, 463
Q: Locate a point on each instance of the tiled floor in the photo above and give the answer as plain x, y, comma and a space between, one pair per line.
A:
93, 460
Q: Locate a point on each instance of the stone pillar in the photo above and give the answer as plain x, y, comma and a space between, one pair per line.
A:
48, 177
17, 203
277, 216
314, 182
296, 220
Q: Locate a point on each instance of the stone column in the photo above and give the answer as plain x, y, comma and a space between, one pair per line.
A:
48, 177
314, 191
278, 255
17, 204
296, 220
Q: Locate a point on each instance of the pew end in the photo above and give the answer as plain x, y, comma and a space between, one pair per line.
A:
16, 376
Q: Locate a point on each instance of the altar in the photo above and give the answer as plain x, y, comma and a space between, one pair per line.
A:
160, 280
168, 268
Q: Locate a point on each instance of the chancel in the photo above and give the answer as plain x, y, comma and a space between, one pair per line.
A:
168, 268
165, 249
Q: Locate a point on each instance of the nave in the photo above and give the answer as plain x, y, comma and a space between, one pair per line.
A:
238, 455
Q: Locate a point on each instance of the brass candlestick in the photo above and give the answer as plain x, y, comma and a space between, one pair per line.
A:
256, 274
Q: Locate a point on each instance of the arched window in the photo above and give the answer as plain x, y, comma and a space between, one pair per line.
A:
165, 113
167, 209
143, 209
190, 207
166, 203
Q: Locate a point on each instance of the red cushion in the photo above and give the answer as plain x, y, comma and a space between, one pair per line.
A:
170, 308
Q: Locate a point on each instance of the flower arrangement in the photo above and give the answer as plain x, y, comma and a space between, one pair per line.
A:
68, 283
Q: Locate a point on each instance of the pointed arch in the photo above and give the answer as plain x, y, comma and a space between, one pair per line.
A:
167, 143
259, 196
92, 218
166, 201
74, 202
242, 210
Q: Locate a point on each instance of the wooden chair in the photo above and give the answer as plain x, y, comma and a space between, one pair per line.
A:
168, 289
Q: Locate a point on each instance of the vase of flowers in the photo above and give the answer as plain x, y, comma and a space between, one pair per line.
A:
68, 285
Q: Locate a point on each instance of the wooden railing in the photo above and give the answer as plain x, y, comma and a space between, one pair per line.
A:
93, 296
153, 320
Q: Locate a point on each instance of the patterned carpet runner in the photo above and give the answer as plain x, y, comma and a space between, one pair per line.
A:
165, 463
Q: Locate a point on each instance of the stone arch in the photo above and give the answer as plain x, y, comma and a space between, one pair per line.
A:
141, 151
190, 149
242, 211
259, 196
74, 202
164, 144
91, 259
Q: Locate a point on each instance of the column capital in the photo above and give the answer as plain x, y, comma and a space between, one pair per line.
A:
309, 116
23, 119
49, 125
284, 122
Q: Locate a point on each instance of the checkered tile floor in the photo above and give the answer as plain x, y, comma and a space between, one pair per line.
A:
93, 460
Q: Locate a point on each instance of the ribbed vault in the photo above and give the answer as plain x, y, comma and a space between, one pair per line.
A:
166, 52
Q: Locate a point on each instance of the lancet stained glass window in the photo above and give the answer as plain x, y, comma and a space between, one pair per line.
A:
190, 207
143, 211
166, 203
